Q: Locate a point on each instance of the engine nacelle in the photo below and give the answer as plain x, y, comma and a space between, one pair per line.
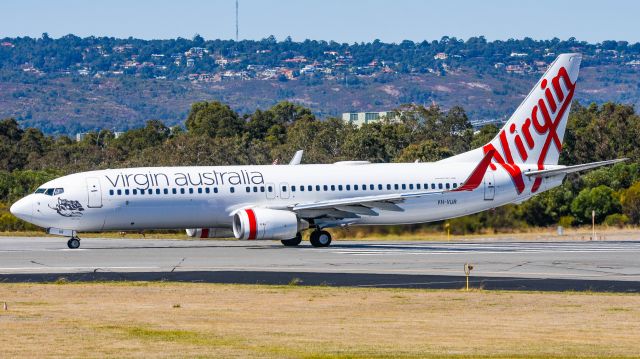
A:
216, 232
263, 223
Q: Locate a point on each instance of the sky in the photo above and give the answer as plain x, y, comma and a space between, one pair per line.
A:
339, 20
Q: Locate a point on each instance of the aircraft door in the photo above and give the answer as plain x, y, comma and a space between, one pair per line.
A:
270, 190
284, 190
489, 186
95, 192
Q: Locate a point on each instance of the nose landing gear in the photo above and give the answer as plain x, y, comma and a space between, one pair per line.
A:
73, 243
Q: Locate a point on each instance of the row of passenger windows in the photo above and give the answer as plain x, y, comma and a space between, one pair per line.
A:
285, 188
370, 187
50, 191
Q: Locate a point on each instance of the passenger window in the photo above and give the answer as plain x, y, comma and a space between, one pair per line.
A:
309, 188
371, 187
232, 189
284, 188
333, 187
418, 186
355, 187
326, 188
157, 190
215, 189
293, 188
395, 186
135, 191
149, 191
207, 190
379, 187
301, 188
191, 190
110, 192
339, 187
261, 188
255, 188
439, 185
388, 187
448, 185
270, 189
410, 185
433, 186
404, 186
348, 187
174, 191
248, 189
126, 192
318, 187
119, 192
455, 185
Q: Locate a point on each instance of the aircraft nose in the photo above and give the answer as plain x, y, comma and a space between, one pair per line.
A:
22, 209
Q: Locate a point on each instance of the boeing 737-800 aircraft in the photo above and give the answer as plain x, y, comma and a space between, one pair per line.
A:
279, 202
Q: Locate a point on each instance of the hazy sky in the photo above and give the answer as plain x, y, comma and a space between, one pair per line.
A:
339, 20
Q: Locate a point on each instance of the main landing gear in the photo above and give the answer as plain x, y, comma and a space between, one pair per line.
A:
73, 243
320, 238
293, 241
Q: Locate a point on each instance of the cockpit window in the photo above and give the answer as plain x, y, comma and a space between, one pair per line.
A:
58, 191
40, 190
49, 192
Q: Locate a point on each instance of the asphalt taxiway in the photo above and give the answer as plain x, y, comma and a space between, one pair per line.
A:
531, 265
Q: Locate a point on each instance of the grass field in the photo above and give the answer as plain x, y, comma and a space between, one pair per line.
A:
210, 320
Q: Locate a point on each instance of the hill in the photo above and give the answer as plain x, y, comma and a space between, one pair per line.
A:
74, 84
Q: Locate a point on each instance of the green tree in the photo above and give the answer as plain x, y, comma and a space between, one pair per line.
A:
213, 119
600, 199
631, 203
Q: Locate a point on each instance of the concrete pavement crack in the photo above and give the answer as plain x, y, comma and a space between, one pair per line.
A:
178, 265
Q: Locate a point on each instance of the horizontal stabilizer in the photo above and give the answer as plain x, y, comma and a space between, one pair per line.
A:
571, 169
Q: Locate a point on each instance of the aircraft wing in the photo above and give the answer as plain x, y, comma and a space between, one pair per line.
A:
353, 207
571, 169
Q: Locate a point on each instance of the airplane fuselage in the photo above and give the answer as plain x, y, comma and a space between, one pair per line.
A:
196, 197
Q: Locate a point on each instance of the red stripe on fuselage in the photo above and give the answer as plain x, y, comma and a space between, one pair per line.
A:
475, 178
253, 225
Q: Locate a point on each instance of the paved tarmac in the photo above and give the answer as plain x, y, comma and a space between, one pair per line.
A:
544, 265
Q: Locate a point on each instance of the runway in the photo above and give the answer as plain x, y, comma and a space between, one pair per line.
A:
544, 265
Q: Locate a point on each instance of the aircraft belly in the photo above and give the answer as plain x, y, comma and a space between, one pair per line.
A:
165, 215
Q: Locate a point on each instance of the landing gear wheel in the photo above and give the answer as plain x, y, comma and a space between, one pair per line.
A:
293, 241
73, 243
320, 239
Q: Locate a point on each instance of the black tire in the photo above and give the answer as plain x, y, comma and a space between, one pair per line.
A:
293, 241
73, 243
320, 239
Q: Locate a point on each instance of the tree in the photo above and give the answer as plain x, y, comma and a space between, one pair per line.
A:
600, 199
213, 119
631, 203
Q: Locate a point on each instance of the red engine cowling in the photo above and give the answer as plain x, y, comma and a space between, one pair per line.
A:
215, 232
263, 223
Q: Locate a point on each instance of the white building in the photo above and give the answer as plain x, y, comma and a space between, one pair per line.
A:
360, 118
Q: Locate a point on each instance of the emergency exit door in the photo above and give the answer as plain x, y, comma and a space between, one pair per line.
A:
95, 192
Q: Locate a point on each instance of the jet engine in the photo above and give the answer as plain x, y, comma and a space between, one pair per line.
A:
263, 223
216, 232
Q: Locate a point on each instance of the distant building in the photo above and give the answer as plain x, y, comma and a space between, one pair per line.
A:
360, 118
440, 56
80, 136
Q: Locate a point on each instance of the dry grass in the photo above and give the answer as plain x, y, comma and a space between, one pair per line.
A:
210, 320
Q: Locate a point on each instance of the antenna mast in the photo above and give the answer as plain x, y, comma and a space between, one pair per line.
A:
236, 20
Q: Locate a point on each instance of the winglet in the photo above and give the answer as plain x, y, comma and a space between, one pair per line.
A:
297, 158
477, 175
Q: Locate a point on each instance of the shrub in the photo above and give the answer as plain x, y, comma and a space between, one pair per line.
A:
617, 220
567, 221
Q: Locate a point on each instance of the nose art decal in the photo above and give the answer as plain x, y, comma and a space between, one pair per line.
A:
68, 208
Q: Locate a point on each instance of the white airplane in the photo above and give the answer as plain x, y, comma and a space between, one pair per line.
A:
279, 202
